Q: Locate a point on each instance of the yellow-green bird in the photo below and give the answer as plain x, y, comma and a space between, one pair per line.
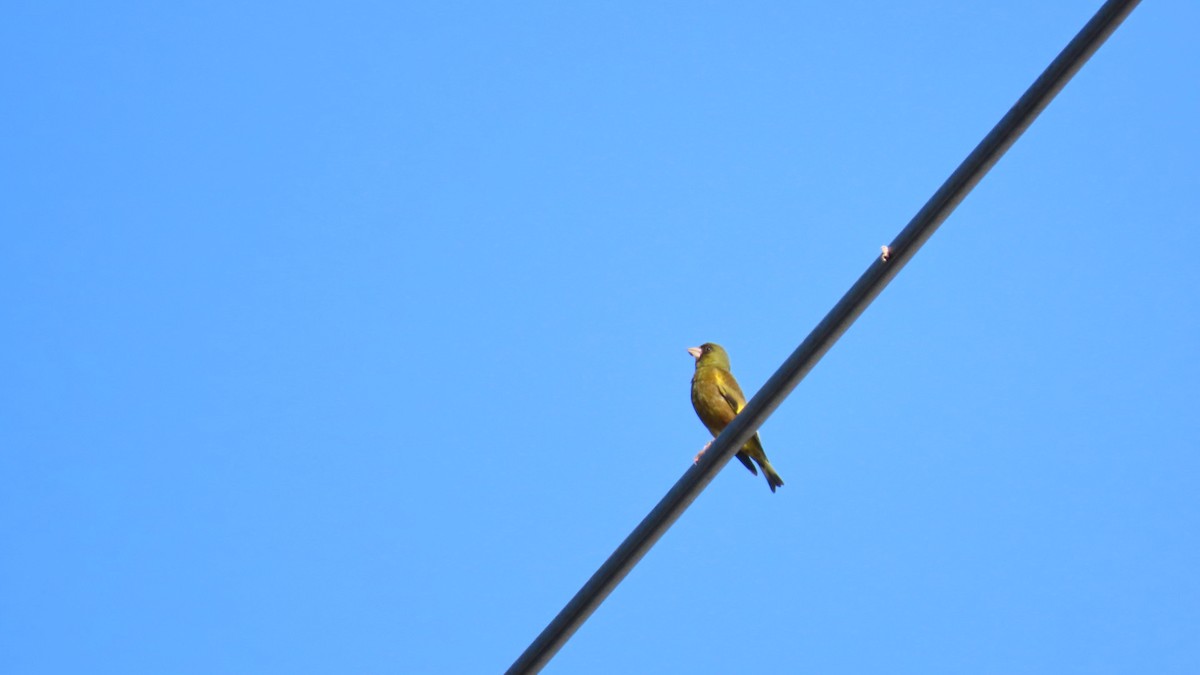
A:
717, 399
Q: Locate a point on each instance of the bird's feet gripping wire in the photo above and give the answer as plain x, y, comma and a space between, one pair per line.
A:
696, 459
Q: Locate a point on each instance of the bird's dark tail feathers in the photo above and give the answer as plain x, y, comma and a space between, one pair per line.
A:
773, 479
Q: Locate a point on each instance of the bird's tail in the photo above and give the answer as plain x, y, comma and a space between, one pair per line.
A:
773, 478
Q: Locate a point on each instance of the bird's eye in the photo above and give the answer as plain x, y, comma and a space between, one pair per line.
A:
706, 349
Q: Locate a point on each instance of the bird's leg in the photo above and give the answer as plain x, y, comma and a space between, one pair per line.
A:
700, 454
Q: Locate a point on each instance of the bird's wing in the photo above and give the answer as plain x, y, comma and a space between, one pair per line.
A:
731, 392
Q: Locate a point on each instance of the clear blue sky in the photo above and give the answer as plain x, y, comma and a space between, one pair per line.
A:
349, 338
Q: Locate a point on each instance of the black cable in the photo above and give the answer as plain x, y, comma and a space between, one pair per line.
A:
852, 304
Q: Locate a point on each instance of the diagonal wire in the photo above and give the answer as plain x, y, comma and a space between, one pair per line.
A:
852, 304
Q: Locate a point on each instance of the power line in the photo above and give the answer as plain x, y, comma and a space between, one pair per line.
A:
852, 304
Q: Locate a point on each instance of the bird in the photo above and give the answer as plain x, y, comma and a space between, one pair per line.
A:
717, 399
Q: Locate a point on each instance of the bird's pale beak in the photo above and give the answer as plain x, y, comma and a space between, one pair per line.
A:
695, 352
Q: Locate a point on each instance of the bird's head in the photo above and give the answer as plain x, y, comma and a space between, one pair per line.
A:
710, 354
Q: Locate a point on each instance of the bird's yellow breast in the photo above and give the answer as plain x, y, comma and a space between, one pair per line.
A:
710, 387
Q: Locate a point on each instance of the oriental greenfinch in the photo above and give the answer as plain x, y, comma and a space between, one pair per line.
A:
717, 399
